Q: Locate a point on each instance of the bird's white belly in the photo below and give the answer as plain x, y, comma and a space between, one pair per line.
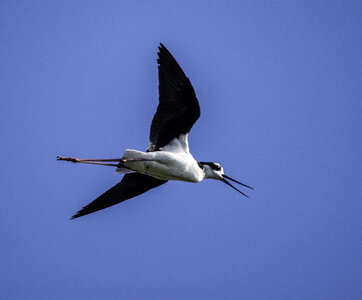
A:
165, 165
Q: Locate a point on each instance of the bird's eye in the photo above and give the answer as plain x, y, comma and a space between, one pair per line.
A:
217, 167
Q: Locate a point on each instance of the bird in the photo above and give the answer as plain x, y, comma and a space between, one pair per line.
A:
168, 156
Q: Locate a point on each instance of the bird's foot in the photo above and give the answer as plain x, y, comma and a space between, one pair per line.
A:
72, 159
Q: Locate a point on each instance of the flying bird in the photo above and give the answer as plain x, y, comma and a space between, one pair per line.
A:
168, 156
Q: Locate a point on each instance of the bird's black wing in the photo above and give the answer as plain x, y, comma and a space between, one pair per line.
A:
130, 186
178, 108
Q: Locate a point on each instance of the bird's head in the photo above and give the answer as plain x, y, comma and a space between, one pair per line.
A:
215, 171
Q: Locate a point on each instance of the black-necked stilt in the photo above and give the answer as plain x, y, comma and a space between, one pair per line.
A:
168, 156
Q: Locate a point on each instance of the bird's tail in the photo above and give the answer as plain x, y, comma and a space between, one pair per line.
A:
124, 170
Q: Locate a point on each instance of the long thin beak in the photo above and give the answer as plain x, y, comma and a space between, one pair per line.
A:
229, 184
243, 184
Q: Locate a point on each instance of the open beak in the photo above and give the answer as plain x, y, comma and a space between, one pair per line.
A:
229, 184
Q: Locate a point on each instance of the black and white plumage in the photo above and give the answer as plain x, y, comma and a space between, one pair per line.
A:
168, 156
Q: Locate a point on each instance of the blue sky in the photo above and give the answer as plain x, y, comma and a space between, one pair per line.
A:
279, 84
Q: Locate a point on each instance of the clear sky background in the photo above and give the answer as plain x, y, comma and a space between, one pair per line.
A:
279, 84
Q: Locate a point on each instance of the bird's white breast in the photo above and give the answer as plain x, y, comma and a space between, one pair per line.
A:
165, 165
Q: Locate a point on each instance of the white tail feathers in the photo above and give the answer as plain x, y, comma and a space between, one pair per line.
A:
122, 170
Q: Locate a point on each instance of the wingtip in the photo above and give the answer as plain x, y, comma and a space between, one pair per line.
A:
161, 52
162, 48
77, 215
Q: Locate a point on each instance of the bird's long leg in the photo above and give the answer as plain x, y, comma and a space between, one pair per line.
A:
98, 161
90, 161
73, 159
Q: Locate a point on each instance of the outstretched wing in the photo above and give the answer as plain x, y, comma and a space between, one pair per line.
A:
130, 186
178, 108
